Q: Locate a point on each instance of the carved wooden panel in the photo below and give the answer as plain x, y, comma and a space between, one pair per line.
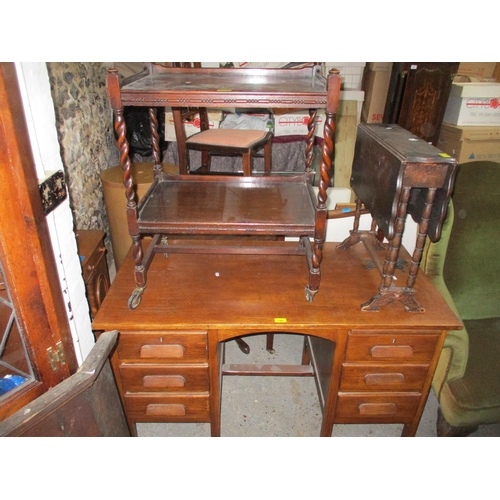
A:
418, 94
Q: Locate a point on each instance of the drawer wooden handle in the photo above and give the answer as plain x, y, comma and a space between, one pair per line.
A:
162, 351
160, 381
392, 351
384, 378
172, 410
377, 409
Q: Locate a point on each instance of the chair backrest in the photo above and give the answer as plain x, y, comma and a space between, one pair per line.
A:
190, 113
471, 269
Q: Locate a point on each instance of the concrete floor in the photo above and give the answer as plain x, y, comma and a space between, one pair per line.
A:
283, 406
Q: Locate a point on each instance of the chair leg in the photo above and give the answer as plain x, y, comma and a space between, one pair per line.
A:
268, 159
270, 343
247, 164
244, 347
205, 162
444, 429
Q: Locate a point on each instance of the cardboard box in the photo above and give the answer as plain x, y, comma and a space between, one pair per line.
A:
480, 69
470, 143
191, 127
473, 104
376, 86
296, 123
496, 73
379, 66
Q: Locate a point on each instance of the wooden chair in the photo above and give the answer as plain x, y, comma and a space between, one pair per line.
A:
84, 405
230, 142
219, 142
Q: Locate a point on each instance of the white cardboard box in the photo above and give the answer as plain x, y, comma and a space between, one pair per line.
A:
296, 123
473, 104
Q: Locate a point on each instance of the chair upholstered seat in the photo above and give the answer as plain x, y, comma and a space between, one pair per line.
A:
234, 138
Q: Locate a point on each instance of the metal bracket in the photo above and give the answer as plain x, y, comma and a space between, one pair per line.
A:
56, 356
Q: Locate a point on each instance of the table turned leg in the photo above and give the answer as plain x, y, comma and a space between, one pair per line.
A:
421, 237
387, 291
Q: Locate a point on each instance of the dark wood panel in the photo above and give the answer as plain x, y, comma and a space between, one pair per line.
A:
417, 97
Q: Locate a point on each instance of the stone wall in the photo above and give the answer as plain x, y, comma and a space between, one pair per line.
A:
85, 130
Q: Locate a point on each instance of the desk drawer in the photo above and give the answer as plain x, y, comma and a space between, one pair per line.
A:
174, 347
376, 408
164, 378
382, 378
168, 408
391, 347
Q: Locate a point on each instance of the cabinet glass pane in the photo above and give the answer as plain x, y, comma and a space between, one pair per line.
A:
15, 366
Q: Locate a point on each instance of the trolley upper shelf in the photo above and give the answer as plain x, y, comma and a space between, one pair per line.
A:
208, 87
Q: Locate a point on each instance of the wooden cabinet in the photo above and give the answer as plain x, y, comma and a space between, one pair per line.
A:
95, 272
368, 367
417, 97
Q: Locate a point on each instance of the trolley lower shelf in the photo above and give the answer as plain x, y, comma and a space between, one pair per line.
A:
276, 207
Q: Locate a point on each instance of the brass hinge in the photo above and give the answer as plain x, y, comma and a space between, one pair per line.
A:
56, 356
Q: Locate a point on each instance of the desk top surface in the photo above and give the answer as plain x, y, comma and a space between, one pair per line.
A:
262, 293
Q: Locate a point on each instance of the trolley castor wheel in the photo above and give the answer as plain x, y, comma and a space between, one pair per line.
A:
310, 294
135, 298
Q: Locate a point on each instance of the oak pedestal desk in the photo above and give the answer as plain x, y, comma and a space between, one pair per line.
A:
369, 367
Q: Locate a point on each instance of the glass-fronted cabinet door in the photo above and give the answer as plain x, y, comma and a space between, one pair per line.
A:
36, 349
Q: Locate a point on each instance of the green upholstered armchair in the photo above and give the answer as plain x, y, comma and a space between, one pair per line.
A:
464, 265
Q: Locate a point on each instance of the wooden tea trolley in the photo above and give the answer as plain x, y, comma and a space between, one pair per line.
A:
225, 205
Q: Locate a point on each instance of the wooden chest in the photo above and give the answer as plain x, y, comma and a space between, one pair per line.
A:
92, 252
